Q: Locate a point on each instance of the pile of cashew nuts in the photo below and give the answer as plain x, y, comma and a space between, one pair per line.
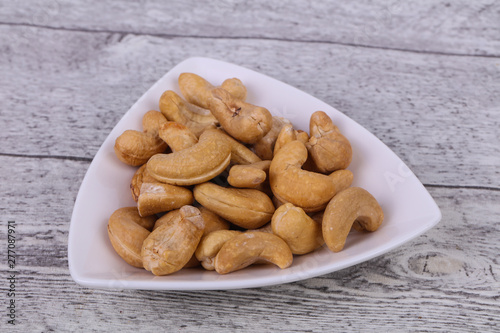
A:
223, 184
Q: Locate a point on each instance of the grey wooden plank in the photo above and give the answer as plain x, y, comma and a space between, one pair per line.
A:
447, 279
63, 92
461, 27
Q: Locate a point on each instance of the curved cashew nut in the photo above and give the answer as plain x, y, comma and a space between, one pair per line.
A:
247, 208
243, 121
126, 231
159, 197
329, 149
250, 247
174, 108
194, 165
352, 205
170, 247
177, 136
210, 245
134, 147
264, 148
248, 176
309, 190
297, 229
197, 90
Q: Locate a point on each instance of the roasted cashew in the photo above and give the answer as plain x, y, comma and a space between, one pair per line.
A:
250, 175
140, 176
197, 90
329, 149
240, 154
309, 190
177, 136
352, 205
250, 247
194, 165
264, 148
174, 108
126, 231
288, 134
170, 247
297, 229
210, 245
243, 121
159, 197
134, 147
247, 208
213, 222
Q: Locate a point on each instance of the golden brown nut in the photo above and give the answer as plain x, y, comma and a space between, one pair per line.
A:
158, 197
140, 176
197, 90
168, 218
240, 154
170, 247
248, 176
329, 149
174, 108
352, 205
297, 229
126, 231
309, 190
194, 165
264, 148
210, 245
247, 208
243, 121
288, 134
213, 222
177, 136
249, 247
134, 147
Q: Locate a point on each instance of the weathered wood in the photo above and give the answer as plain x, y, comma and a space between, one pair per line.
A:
457, 27
437, 282
432, 110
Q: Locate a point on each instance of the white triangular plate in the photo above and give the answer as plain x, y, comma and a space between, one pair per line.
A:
409, 209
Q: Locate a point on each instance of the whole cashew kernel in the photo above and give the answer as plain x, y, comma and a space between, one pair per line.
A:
210, 245
126, 231
250, 247
170, 247
329, 149
194, 165
159, 197
134, 147
297, 229
352, 205
174, 108
248, 176
177, 136
247, 208
243, 121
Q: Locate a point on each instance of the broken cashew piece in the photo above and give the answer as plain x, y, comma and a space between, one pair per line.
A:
264, 148
250, 247
210, 245
126, 231
248, 176
247, 208
353, 205
297, 229
243, 121
134, 147
194, 165
329, 149
170, 247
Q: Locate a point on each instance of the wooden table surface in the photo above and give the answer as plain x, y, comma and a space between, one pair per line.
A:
424, 77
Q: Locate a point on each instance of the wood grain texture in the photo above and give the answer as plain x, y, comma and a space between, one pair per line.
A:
423, 77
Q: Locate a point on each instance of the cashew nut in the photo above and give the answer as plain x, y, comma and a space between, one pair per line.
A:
126, 231
288, 134
247, 208
352, 205
264, 148
177, 136
159, 197
248, 176
174, 108
243, 121
170, 247
194, 165
240, 154
329, 149
210, 245
249, 247
134, 147
213, 222
197, 90
297, 229
140, 176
